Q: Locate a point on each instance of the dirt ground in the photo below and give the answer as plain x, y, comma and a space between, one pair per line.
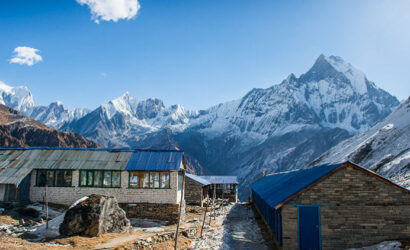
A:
6, 219
105, 241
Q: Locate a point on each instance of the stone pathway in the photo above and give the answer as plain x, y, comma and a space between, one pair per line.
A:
241, 231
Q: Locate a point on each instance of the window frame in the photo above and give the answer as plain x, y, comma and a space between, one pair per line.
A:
103, 171
54, 173
149, 178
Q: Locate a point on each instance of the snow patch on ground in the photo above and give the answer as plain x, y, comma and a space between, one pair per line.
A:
53, 229
385, 245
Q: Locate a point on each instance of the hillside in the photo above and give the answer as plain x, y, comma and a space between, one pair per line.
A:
17, 130
385, 148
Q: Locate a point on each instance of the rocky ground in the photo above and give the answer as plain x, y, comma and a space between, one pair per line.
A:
232, 226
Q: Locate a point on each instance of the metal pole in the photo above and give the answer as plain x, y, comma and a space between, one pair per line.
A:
180, 210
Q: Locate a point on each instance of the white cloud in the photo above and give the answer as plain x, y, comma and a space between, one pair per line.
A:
26, 55
111, 10
103, 75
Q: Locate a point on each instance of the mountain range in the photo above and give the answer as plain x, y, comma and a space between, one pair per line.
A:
280, 128
17, 130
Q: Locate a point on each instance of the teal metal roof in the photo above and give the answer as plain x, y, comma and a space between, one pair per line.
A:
276, 188
215, 179
198, 179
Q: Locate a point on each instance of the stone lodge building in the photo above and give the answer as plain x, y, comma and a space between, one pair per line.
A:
196, 190
332, 207
146, 183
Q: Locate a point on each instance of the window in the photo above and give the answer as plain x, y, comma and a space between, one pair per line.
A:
54, 178
144, 179
180, 179
164, 180
100, 178
107, 179
116, 179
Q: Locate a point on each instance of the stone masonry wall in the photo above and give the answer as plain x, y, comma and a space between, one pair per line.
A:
68, 195
193, 192
356, 210
168, 212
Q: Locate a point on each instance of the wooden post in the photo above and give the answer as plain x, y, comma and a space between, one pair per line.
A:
214, 200
180, 210
203, 221
223, 191
46, 209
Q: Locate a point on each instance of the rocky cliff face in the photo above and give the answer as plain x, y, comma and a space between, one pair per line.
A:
17, 130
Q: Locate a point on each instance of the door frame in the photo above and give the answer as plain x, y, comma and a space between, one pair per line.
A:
319, 222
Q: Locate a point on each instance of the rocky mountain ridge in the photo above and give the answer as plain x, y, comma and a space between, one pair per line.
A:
17, 130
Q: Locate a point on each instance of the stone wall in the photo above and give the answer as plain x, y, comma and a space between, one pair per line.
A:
168, 212
68, 195
356, 210
193, 192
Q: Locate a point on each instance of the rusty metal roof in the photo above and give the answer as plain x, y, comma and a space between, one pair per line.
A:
16, 163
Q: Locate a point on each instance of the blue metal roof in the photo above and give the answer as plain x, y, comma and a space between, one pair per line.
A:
155, 160
221, 179
198, 179
276, 188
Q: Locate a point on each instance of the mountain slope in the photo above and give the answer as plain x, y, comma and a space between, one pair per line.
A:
20, 131
385, 148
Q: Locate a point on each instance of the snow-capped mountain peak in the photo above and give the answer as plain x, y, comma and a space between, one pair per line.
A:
357, 77
18, 98
125, 104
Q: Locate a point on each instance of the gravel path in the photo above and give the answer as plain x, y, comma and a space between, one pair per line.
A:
241, 230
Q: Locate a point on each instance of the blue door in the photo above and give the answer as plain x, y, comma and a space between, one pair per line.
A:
309, 228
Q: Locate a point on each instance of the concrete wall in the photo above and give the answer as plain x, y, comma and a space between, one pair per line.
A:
356, 210
68, 195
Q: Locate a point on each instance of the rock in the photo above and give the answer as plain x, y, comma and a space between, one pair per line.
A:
28, 212
93, 216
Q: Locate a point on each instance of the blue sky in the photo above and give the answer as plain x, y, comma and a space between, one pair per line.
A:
198, 53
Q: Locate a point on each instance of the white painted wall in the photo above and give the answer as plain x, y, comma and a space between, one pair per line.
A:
68, 195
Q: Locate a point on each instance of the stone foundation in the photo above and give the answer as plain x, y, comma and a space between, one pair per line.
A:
167, 212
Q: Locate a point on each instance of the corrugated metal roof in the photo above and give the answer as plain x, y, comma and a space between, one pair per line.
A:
16, 163
198, 179
155, 160
215, 179
276, 188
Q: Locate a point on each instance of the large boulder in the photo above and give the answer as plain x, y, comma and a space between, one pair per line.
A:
93, 216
